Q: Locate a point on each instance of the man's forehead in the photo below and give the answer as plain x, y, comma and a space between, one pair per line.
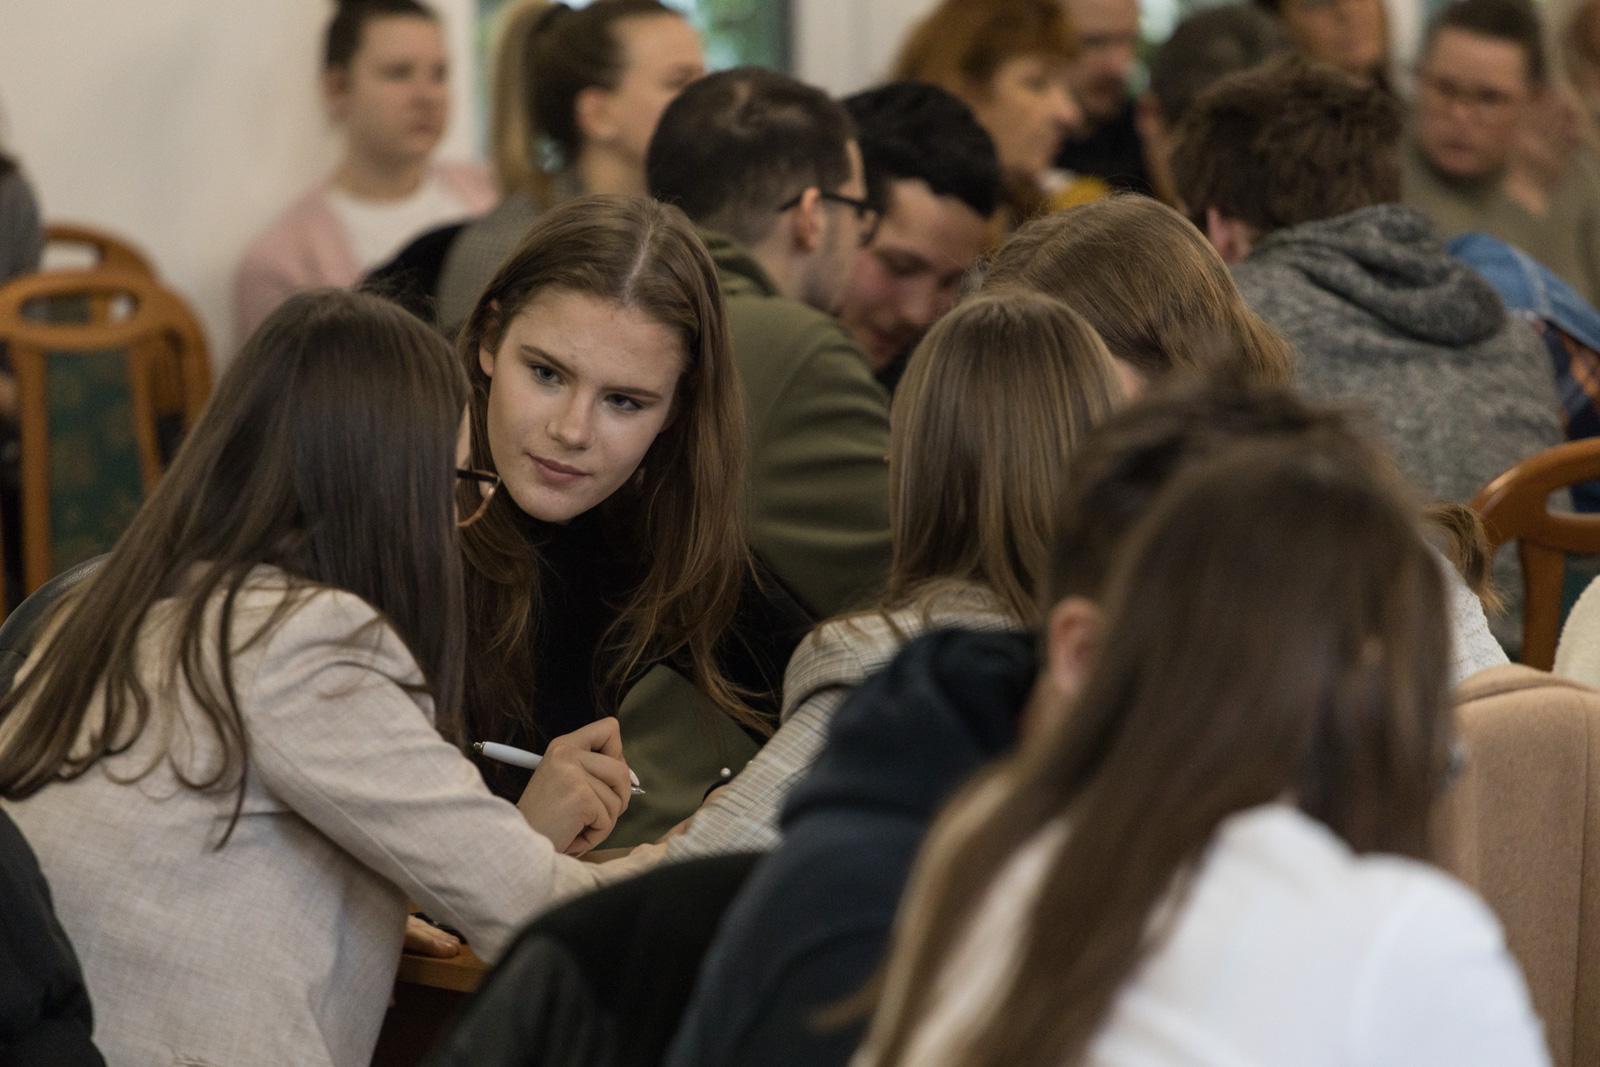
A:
943, 230
1477, 59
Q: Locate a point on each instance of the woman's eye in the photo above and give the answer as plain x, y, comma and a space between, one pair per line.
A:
541, 373
625, 403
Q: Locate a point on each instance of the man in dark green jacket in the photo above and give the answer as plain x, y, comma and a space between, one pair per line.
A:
770, 170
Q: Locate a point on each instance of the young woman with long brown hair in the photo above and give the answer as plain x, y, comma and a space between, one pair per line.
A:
972, 525
1212, 849
231, 748
605, 396
1150, 284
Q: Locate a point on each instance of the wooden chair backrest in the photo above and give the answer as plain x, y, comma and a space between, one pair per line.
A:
1516, 507
110, 251
168, 373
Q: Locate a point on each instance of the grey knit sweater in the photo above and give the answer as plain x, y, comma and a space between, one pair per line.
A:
1387, 323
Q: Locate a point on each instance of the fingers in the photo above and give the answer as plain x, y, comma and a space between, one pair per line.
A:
603, 735
425, 939
611, 775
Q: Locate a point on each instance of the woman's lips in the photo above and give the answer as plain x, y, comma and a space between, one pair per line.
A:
557, 473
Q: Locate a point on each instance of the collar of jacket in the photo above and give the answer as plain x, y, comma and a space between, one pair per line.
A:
740, 272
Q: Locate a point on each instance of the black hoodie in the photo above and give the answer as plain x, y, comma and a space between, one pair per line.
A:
811, 925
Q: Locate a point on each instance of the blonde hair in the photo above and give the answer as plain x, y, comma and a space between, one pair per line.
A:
512, 141
1150, 284
994, 403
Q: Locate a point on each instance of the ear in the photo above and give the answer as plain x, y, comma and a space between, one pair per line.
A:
1071, 648
593, 113
1232, 239
807, 222
335, 87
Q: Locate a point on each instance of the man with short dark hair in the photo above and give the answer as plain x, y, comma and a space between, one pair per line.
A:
1483, 72
1293, 171
1204, 48
769, 168
932, 169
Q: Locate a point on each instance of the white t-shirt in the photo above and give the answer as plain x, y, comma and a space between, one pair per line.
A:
1289, 950
377, 229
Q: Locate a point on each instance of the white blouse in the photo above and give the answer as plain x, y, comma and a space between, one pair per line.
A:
1289, 949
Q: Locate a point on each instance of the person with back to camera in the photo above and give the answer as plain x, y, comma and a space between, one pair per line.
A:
971, 524
1212, 850
385, 83
604, 395
809, 929
233, 805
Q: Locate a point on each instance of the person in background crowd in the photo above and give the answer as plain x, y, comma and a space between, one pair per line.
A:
241, 724
21, 230
21, 250
1581, 49
1352, 35
577, 95
933, 172
1482, 79
770, 170
1007, 60
1256, 785
605, 397
1205, 46
385, 81
971, 524
1109, 146
1152, 288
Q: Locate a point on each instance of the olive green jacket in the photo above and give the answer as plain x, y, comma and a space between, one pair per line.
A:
818, 476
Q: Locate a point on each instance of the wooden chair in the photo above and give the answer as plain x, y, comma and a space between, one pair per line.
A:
1516, 507
92, 400
109, 251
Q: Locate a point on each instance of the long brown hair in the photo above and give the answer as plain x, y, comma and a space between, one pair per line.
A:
545, 55
1149, 283
1324, 680
682, 515
337, 419
1014, 367
961, 44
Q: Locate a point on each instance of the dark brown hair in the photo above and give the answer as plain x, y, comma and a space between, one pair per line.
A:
1151, 286
1324, 680
337, 420
343, 38
681, 517
1514, 22
1286, 143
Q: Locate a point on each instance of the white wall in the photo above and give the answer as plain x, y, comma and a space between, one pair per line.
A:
185, 125
846, 45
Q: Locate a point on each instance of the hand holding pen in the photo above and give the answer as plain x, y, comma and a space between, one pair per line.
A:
579, 788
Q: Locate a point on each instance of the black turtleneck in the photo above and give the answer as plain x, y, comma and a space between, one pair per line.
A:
584, 583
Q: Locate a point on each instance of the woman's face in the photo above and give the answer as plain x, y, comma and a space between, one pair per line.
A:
1028, 110
661, 55
1350, 34
580, 387
394, 97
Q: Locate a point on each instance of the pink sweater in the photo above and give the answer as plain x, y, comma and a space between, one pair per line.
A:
307, 246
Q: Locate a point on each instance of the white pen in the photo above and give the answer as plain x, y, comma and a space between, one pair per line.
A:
521, 757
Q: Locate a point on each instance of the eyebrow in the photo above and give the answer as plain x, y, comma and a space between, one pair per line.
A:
626, 390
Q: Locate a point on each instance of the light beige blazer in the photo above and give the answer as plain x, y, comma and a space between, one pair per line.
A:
280, 947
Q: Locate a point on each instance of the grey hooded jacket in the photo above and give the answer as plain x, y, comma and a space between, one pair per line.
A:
1387, 323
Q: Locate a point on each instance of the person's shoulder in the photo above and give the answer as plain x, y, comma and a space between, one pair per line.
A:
471, 183
305, 626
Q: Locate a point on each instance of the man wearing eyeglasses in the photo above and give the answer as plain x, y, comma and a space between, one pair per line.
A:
770, 171
1481, 78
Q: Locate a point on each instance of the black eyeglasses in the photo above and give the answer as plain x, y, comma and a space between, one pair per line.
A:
472, 499
868, 216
